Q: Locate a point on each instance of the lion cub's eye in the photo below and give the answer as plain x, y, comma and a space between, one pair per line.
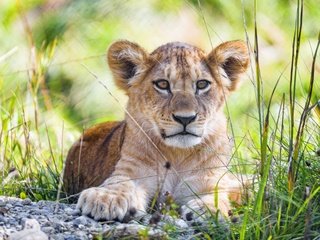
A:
162, 84
202, 84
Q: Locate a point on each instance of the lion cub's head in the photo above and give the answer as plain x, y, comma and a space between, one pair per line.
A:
176, 92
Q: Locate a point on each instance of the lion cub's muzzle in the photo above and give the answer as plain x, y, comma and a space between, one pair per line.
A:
185, 133
184, 121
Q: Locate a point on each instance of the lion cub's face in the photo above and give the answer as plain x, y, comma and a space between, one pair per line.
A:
176, 92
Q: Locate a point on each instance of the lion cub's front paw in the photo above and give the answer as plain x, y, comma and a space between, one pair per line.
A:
108, 204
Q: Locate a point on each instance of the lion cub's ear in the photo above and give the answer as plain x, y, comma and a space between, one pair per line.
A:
230, 60
126, 61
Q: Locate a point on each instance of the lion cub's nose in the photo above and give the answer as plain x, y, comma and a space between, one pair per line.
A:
185, 120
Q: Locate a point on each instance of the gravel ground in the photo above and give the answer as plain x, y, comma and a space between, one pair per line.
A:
27, 220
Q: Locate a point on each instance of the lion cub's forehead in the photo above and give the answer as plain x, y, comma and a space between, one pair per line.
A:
178, 51
180, 61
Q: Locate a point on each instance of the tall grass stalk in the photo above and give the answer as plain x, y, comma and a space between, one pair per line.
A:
263, 130
292, 93
306, 111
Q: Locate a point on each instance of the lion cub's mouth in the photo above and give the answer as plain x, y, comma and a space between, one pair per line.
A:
183, 133
182, 139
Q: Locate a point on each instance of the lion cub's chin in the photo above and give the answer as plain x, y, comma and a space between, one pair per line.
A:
182, 141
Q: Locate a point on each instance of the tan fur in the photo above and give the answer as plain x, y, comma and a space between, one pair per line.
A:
153, 151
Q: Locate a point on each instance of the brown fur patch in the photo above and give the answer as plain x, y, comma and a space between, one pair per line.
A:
93, 157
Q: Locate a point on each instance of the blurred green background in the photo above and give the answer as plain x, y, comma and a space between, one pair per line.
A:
79, 32
48, 96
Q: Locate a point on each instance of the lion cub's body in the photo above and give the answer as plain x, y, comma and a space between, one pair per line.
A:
174, 137
102, 143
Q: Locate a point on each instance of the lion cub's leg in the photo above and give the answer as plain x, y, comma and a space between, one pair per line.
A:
213, 193
202, 206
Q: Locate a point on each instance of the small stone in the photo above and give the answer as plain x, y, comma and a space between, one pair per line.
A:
175, 221
146, 219
9, 205
28, 234
82, 235
19, 227
126, 230
133, 222
98, 229
84, 220
73, 237
24, 215
18, 208
132, 230
26, 201
180, 223
63, 216
81, 227
3, 210
59, 226
3, 219
30, 224
12, 222
72, 212
58, 236
18, 204
48, 230
105, 228
61, 206
2, 203
68, 210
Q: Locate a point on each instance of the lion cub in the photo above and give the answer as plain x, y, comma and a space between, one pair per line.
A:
173, 139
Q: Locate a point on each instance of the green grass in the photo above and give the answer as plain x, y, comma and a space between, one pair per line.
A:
45, 106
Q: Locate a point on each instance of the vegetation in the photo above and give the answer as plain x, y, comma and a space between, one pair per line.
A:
48, 96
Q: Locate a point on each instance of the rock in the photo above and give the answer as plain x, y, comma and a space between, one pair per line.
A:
57, 236
9, 205
3, 211
18, 204
31, 231
124, 230
48, 230
69, 211
31, 224
3, 220
180, 223
175, 221
84, 220
27, 201
2, 203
